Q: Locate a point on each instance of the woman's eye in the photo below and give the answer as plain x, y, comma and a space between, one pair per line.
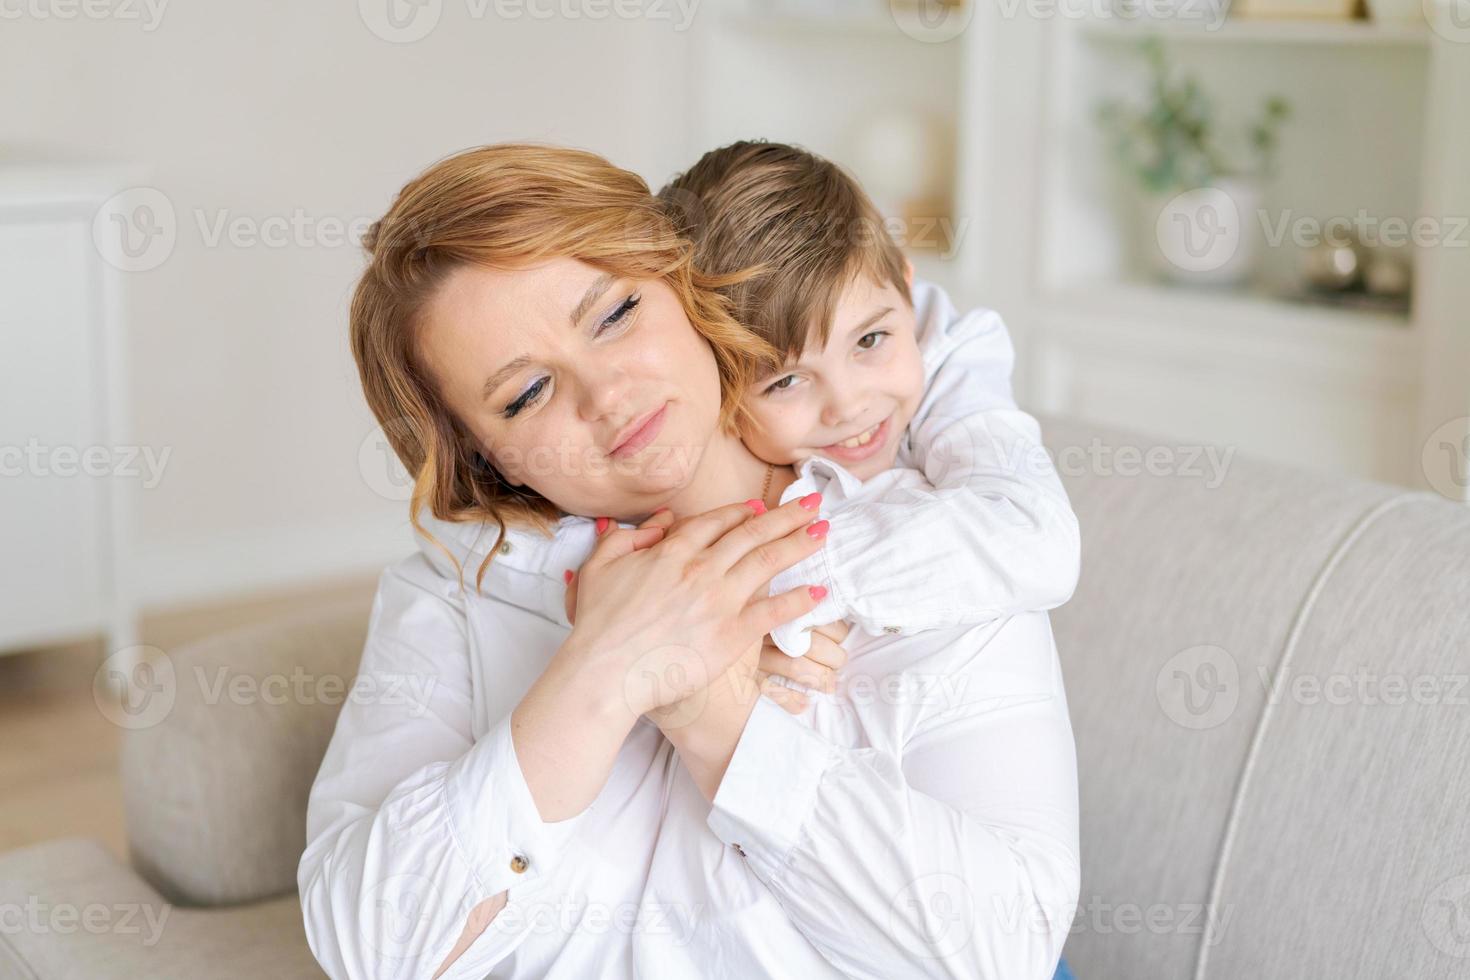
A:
525, 398
868, 341
621, 313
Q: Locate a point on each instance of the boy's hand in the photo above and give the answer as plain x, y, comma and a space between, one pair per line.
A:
817, 670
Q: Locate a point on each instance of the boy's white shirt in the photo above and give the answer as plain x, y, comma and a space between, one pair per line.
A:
972, 525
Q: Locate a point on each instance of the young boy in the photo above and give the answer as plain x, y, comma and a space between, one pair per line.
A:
883, 377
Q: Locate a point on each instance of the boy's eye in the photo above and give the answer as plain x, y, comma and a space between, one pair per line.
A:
525, 398
868, 341
780, 384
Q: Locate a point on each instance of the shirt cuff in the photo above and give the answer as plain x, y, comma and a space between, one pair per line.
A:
495, 821
770, 787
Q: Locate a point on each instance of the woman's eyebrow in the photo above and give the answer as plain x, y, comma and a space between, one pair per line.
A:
594, 292
499, 377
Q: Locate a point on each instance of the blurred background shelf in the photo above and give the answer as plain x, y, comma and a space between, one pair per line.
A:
1244, 31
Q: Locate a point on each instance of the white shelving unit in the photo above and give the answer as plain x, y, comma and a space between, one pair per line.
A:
62, 381
1379, 124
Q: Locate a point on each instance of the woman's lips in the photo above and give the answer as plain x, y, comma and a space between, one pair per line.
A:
644, 434
856, 454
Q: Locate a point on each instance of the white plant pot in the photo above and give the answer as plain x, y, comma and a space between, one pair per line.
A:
1209, 236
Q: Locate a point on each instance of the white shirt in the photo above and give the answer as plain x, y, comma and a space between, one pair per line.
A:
912, 824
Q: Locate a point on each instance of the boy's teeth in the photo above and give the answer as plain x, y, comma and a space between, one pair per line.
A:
861, 439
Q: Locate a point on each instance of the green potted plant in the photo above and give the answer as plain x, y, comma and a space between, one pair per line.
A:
1200, 203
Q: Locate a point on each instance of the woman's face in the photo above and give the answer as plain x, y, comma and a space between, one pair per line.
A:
594, 391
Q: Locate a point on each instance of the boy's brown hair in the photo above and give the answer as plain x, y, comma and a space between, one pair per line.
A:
801, 223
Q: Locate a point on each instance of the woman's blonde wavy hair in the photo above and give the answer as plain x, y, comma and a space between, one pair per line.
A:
509, 206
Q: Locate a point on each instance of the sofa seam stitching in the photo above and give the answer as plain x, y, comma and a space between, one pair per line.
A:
1299, 620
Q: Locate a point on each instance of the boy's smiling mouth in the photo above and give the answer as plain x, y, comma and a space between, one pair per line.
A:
861, 446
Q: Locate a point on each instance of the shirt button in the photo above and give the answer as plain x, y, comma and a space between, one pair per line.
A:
519, 864
505, 547
890, 629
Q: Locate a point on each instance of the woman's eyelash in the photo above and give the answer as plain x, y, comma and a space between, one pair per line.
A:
525, 398
627, 306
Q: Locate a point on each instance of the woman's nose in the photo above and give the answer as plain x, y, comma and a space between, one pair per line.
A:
604, 392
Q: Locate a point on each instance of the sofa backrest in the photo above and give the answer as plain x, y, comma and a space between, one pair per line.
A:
1267, 679
215, 789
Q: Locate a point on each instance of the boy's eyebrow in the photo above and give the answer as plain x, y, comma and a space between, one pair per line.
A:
871, 319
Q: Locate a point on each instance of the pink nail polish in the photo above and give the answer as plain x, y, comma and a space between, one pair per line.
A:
818, 592
756, 505
811, 501
566, 576
818, 529
602, 523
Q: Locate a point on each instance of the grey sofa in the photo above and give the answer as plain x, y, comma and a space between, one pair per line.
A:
1267, 684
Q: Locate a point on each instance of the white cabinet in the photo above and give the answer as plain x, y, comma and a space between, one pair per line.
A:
65, 479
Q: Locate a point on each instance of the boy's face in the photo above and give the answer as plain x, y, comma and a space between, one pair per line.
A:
851, 401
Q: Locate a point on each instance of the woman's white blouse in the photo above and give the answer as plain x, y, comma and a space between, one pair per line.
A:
922, 821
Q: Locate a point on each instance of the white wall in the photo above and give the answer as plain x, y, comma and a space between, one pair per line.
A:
239, 361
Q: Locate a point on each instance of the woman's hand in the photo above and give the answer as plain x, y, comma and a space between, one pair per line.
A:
668, 608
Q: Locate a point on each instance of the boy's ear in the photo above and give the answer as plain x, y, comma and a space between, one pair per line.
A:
908, 272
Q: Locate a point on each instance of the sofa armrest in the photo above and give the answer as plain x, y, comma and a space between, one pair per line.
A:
215, 792
69, 910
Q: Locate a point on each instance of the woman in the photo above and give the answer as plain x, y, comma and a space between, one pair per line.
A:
618, 800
